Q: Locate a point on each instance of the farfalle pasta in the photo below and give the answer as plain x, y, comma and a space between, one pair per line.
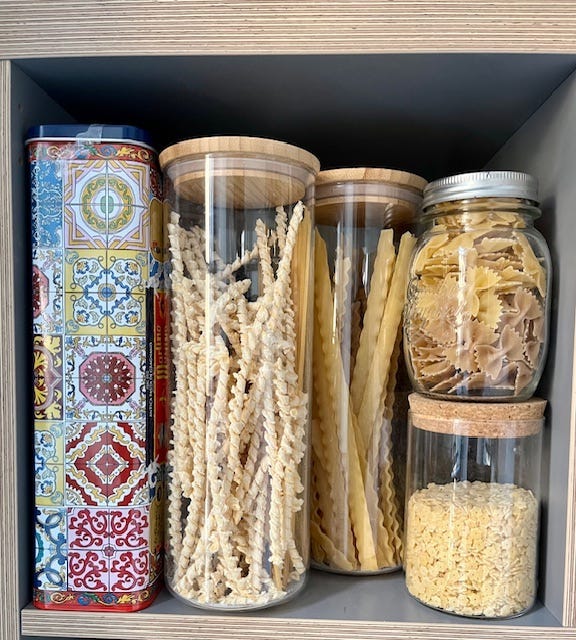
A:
475, 320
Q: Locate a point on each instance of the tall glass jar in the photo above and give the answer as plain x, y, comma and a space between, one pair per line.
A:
240, 238
473, 505
476, 318
361, 269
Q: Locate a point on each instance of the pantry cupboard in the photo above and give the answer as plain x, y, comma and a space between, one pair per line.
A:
428, 87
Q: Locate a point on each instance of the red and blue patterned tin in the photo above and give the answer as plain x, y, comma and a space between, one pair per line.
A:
100, 369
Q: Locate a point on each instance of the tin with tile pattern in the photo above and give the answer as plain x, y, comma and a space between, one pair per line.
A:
100, 374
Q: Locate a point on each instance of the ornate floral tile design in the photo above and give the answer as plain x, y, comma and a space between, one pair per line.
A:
127, 314
49, 462
90, 270
78, 407
85, 180
105, 464
133, 348
127, 177
96, 479
46, 203
88, 571
50, 530
78, 348
86, 313
130, 570
48, 262
107, 378
50, 568
127, 271
47, 314
48, 377
85, 270
105, 312
50, 527
111, 542
107, 204
132, 228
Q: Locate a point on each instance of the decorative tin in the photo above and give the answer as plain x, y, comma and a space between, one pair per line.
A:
100, 374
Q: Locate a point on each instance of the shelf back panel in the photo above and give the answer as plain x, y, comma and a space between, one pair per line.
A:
546, 147
432, 115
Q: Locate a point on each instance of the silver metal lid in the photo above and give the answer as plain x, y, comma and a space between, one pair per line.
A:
482, 184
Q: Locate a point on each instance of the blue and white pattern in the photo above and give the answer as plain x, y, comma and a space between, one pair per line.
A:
46, 203
51, 560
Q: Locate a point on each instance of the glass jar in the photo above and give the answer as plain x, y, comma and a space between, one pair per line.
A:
240, 238
476, 320
361, 269
473, 505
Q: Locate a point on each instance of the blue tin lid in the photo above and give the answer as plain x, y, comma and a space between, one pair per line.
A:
94, 132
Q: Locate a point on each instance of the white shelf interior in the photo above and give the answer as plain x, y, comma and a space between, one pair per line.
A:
430, 114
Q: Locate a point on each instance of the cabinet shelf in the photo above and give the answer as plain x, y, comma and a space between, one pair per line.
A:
438, 112
330, 606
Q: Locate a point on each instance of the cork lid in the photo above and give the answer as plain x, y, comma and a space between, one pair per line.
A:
255, 172
379, 197
485, 419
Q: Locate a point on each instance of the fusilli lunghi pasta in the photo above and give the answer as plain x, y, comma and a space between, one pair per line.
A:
236, 499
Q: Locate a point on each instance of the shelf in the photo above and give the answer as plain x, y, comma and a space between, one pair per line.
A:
341, 604
68, 28
429, 113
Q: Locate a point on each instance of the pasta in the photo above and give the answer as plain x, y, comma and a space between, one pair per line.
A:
471, 548
239, 415
476, 314
355, 522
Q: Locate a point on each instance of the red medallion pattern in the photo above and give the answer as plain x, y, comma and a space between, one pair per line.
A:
105, 464
107, 378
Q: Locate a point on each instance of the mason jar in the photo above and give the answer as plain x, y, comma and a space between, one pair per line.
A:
361, 267
473, 505
240, 237
476, 320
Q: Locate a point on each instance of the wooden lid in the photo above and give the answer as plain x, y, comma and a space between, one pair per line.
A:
371, 174
258, 173
477, 419
380, 197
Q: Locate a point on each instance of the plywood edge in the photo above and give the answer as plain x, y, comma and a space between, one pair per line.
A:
9, 618
36, 28
569, 606
180, 627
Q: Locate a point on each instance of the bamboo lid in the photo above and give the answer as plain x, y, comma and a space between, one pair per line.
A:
381, 197
477, 419
257, 172
396, 177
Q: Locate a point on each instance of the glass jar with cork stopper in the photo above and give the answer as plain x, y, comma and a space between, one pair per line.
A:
473, 505
240, 237
362, 250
